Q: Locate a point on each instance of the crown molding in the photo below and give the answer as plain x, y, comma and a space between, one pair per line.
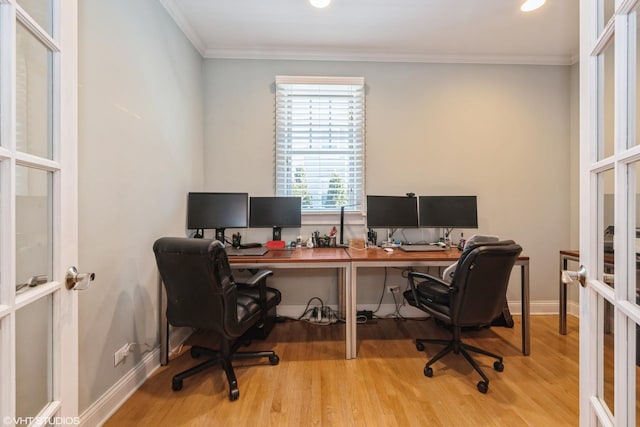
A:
183, 24
355, 56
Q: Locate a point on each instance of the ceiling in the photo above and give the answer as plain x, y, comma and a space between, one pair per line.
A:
475, 31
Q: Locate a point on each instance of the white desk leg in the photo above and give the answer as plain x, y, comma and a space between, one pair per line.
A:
351, 311
526, 338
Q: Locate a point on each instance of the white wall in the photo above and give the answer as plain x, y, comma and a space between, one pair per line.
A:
140, 151
502, 132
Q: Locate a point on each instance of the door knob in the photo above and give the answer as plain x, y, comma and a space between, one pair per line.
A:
78, 281
569, 277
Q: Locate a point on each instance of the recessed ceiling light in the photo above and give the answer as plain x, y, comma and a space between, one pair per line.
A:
320, 3
530, 5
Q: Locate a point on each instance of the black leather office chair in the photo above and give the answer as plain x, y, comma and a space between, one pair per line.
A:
475, 297
202, 294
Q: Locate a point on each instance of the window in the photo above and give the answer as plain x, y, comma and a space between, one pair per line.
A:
320, 141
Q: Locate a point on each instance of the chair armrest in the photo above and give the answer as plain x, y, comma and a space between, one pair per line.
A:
426, 279
257, 278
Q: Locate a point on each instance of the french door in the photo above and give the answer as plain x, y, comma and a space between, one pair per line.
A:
610, 211
38, 212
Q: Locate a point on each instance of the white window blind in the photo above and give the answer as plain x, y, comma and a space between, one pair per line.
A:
320, 141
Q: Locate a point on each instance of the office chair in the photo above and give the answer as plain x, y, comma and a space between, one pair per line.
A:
202, 294
504, 318
475, 298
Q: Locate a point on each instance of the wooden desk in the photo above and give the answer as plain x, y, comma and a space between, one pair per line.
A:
336, 258
376, 257
347, 262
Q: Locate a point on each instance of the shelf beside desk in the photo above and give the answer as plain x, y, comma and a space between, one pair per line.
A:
376, 257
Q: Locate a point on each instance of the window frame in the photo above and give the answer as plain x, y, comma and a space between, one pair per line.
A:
284, 150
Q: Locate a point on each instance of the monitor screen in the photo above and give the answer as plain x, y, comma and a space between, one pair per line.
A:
448, 211
392, 211
280, 212
217, 210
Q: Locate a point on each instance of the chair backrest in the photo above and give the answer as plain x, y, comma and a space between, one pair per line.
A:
447, 275
480, 282
200, 289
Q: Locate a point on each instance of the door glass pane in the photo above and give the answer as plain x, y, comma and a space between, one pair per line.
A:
607, 9
606, 234
34, 342
606, 318
606, 102
33, 224
40, 11
33, 95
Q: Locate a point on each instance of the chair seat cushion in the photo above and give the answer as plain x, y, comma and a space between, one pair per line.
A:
249, 301
434, 299
434, 292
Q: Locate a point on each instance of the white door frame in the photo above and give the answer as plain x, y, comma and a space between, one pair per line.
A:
63, 405
595, 36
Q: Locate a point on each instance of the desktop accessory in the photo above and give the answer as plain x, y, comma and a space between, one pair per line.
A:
276, 213
216, 211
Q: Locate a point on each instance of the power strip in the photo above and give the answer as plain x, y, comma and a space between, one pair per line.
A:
322, 316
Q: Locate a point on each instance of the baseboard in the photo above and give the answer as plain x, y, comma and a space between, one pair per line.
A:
98, 413
387, 310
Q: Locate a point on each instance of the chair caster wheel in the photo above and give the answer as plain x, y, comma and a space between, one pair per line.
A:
428, 371
498, 366
176, 385
234, 394
419, 346
195, 353
483, 387
274, 359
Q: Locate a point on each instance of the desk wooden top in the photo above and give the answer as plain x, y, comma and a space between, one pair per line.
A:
332, 255
570, 252
297, 255
379, 254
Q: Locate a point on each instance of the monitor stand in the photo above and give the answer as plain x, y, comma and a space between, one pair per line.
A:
199, 233
220, 235
277, 233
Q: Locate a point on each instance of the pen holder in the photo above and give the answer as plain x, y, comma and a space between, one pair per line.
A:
324, 242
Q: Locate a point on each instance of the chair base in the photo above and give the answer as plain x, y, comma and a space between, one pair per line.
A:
458, 347
219, 357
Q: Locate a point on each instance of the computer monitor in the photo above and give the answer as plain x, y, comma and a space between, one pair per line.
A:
217, 211
448, 211
392, 212
276, 213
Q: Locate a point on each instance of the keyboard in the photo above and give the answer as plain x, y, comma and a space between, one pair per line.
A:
422, 248
231, 251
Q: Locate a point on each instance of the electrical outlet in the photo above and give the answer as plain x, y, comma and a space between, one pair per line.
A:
120, 354
393, 289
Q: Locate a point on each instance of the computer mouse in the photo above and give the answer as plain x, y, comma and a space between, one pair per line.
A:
441, 244
388, 249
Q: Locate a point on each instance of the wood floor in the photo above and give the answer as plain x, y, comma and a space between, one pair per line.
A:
315, 386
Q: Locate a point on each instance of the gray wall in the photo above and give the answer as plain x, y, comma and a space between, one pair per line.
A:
502, 132
140, 151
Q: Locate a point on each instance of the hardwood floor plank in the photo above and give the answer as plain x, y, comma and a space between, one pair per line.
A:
315, 386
